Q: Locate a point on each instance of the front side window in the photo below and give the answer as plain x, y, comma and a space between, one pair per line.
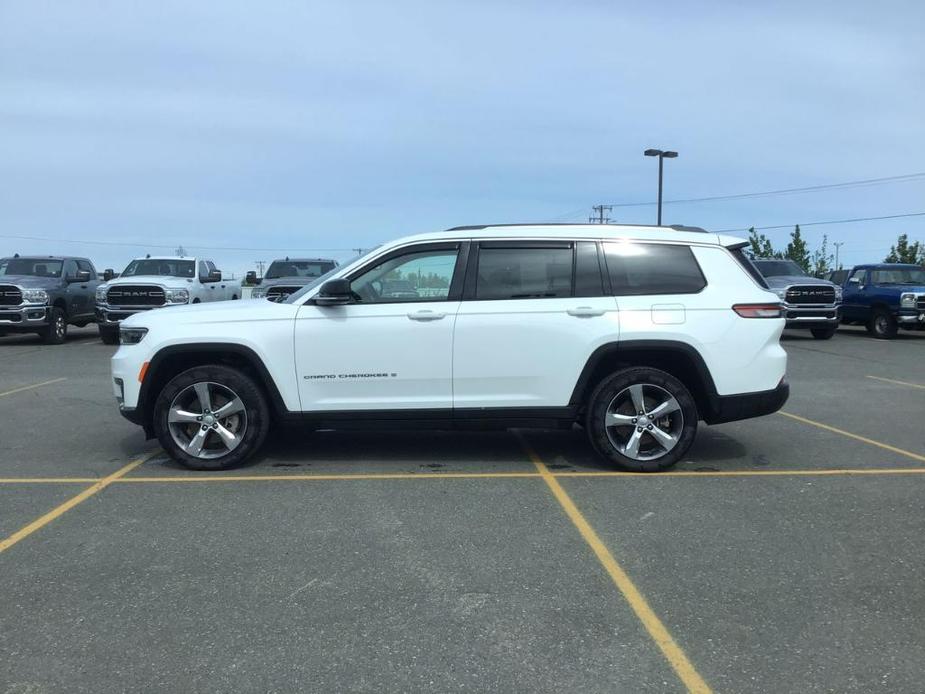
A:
159, 267
31, 267
651, 268
414, 276
857, 277
524, 273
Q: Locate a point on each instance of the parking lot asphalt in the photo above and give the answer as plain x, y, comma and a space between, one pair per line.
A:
783, 554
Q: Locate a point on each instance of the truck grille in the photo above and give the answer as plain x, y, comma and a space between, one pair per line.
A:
10, 295
920, 302
135, 295
281, 293
811, 294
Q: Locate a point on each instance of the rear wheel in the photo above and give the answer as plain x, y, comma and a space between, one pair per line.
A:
882, 325
642, 419
823, 333
55, 333
109, 336
211, 417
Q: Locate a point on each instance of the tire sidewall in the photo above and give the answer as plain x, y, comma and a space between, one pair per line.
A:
255, 406
50, 334
891, 327
608, 389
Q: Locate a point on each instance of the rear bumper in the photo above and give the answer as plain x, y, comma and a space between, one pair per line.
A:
731, 408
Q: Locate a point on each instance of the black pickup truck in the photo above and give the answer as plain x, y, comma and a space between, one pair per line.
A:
45, 294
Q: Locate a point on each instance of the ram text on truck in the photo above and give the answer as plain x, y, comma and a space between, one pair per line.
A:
45, 294
155, 282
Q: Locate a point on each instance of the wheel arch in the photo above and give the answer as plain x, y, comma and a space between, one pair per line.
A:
172, 360
679, 359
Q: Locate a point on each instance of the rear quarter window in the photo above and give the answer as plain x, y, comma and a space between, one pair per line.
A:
652, 268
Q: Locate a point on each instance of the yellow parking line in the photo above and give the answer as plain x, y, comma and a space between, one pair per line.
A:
34, 385
359, 476
58, 511
856, 437
899, 383
663, 639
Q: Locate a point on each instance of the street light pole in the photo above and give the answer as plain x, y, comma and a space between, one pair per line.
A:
662, 155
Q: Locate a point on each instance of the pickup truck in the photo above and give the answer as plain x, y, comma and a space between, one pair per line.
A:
885, 297
285, 277
808, 302
45, 294
154, 282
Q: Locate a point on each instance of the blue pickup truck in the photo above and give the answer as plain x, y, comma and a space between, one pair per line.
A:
885, 297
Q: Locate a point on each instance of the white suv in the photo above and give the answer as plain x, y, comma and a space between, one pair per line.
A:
635, 333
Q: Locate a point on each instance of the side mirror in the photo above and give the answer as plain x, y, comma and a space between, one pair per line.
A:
854, 280
335, 293
80, 276
250, 277
214, 276
108, 274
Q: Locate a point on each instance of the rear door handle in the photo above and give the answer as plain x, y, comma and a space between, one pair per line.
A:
586, 312
425, 315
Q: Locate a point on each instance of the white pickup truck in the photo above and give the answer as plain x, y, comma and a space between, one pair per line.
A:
154, 282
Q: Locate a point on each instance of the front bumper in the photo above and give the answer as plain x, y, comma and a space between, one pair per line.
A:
23, 318
112, 316
812, 316
731, 408
909, 317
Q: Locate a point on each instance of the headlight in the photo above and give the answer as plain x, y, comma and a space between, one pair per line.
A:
781, 293
34, 296
101, 294
907, 301
132, 336
838, 293
259, 293
176, 296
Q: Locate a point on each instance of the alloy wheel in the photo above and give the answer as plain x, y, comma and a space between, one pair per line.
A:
207, 420
644, 421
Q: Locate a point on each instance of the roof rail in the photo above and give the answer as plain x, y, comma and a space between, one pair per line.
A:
474, 227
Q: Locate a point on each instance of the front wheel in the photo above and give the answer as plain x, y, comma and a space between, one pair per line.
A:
882, 325
823, 333
642, 419
55, 333
211, 417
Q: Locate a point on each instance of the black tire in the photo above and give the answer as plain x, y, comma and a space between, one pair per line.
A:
55, 333
882, 325
256, 420
657, 381
109, 336
823, 333
234, 297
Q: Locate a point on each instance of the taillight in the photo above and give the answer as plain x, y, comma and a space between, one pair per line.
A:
758, 310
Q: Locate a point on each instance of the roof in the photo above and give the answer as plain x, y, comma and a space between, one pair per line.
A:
164, 257
877, 266
590, 231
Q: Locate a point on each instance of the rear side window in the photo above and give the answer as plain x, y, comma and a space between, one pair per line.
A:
524, 273
650, 268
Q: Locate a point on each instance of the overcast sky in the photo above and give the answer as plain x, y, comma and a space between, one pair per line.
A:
313, 128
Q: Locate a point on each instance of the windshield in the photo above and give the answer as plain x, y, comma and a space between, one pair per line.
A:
299, 268
902, 275
293, 298
163, 267
779, 268
33, 267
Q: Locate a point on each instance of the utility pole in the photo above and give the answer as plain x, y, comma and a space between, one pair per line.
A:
662, 155
599, 211
260, 265
838, 245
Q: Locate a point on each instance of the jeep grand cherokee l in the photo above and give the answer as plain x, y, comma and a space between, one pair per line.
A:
637, 333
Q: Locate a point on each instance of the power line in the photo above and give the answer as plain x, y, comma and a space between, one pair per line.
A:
784, 191
94, 242
828, 221
599, 211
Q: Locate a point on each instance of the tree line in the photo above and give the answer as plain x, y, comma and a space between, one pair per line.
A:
821, 260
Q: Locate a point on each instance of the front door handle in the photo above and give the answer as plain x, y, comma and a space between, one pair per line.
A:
586, 312
425, 315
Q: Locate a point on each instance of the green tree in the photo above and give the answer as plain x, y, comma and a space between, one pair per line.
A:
760, 245
905, 252
797, 251
822, 260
